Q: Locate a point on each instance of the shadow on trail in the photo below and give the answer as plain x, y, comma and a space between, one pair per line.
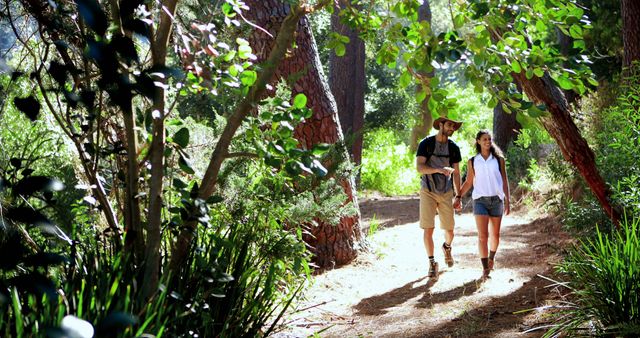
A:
466, 289
386, 211
377, 305
488, 319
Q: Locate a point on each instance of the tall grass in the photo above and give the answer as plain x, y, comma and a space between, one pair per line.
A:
604, 276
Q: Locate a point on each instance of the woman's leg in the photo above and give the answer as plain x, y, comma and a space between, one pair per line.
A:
494, 238
482, 223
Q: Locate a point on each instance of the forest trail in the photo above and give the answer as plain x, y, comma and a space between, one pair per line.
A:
385, 292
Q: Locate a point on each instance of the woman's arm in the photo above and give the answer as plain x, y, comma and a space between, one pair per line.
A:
505, 186
468, 182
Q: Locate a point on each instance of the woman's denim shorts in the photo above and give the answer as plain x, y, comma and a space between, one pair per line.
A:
488, 206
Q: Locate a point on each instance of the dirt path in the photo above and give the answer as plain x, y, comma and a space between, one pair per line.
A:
385, 293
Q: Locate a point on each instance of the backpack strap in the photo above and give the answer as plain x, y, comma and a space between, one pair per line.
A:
431, 147
500, 161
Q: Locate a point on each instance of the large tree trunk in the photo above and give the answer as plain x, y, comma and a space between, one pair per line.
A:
333, 244
505, 127
630, 31
561, 127
423, 124
347, 82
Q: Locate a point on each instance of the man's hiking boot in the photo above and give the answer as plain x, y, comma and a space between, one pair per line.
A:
490, 264
448, 258
433, 270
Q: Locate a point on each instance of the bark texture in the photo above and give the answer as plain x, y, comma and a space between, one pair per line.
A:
347, 82
424, 121
333, 244
561, 127
630, 31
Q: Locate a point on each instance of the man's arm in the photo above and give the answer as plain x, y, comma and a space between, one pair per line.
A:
424, 169
456, 178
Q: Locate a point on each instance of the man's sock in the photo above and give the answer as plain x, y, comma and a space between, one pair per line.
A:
432, 259
485, 263
492, 255
448, 246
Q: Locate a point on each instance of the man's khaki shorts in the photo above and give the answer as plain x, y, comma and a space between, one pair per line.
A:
429, 203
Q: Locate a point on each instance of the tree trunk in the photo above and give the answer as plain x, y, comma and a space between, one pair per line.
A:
333, 244
630, 31
152, 255
347, 82
561, 127
505, 127
423, 124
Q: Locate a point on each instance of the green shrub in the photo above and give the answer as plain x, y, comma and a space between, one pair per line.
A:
388, 166
604, 276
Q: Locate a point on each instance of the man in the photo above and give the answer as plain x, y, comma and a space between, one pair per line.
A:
437, 160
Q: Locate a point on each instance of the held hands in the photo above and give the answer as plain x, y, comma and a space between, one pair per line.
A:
457, 204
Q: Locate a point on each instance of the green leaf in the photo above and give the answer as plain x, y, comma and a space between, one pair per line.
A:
564, 82
515, 66
320, 148
592, 81
432, 104
493, 102
178, 183
272, 161
421, 95
579, 44
227, 9
540, 25
575, 31
539, 72
458, 21
405, 79
529, 74
300, 101
340, 49
184, 164
248, 77
181, 137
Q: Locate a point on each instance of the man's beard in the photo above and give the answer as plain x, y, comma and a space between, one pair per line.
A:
448, 132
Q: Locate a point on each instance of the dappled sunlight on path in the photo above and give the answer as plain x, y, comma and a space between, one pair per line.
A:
385, 292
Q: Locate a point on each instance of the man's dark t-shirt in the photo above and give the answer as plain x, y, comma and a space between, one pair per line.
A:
439, 155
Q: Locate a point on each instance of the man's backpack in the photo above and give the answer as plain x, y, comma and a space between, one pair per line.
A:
431, 147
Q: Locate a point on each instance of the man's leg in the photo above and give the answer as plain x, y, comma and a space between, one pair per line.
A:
428, 241
447, 223
427, 223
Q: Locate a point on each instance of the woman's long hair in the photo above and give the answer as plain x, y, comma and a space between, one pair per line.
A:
495, 150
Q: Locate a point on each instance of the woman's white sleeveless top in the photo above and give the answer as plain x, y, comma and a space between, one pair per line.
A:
487, 180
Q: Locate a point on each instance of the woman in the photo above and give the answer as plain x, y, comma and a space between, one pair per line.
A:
486, 173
